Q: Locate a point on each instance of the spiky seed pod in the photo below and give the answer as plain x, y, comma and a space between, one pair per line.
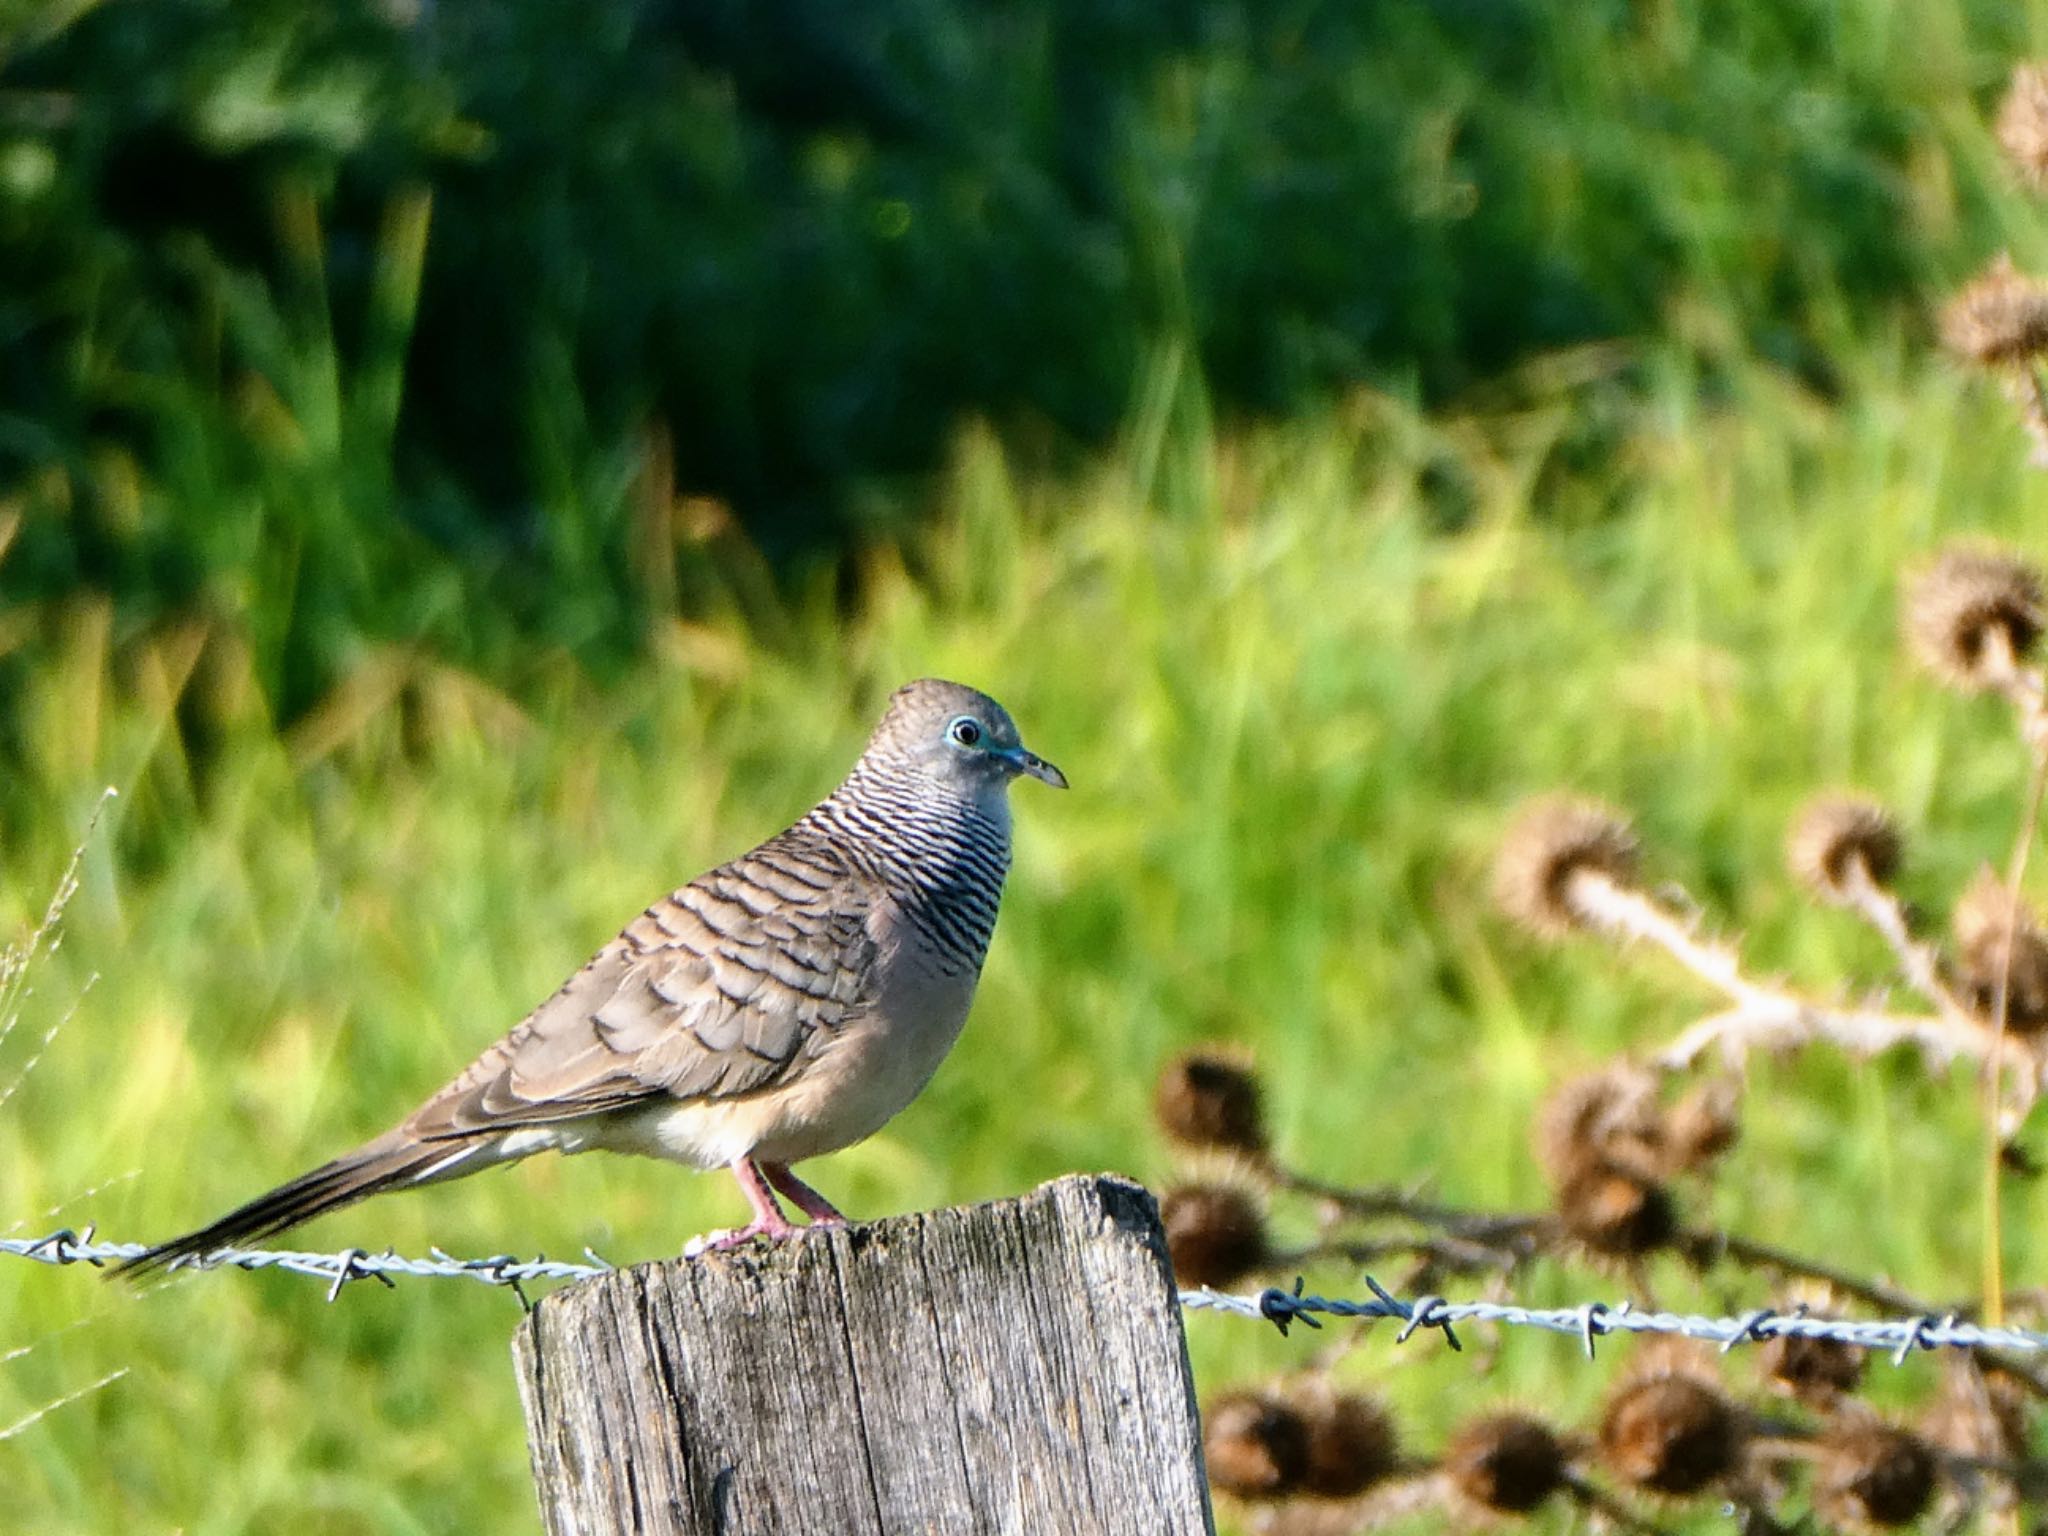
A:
1835, 834
1999, 320
1215, 1233
1664, 1355
2023, 124
1552, 842
1211, 1098
1988, 929
1507, 1463
1616, 1212
1703, 1125
1868, 1473
1256, 1445
1981, 1411
1351, 1440
1967, 607
1670, 1434
1610, 1118
1818, 1372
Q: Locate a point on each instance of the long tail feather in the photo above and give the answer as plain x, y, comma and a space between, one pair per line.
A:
392, 1162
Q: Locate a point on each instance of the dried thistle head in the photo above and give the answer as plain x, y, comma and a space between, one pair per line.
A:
1982, 1411
1351, 1440
1817, 1372
1834, 837
1554, 841
1671, 1434
1616, 1212
1211, 1098
1998, 940
1664, 1355
2023, 124
1215, 1233
1610, 1118
1506, 1463
1969, 611
1872, 1475
1703, 1125
1999, 319
1256, 1445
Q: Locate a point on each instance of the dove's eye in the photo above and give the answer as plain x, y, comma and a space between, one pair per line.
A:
966, 730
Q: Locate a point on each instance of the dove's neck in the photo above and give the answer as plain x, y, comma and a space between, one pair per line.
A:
941, 846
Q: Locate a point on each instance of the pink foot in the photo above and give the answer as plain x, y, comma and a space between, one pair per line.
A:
739, 1237
768, 1222
823, 1212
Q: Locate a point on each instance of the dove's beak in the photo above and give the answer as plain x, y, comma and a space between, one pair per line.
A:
1037, 767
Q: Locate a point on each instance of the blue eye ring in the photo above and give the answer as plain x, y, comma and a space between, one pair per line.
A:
965, 730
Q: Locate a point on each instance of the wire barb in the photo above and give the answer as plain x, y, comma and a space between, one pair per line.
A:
1588, 1322
67, 1246
1591, 1321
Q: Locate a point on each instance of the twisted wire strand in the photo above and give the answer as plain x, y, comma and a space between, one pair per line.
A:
1594, 1320
68, 1246
1588, 1322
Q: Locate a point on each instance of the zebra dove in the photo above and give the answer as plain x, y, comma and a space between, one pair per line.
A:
785, 1005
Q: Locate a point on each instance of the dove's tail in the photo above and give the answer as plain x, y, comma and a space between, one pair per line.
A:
395, 1161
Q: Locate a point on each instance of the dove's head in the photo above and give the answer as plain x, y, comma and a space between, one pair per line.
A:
957, 738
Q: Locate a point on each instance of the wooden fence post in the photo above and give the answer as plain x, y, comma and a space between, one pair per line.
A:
1012, 1367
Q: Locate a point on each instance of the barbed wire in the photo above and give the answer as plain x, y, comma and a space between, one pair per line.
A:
1589, 1322
69, 1246
1594, 1320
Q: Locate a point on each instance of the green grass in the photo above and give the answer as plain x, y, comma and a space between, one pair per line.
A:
349, 320
1298, 677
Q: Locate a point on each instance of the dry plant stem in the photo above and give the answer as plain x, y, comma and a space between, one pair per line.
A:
1621, 912
2030, 1301
1788, 1022
1511, 1239
39, 1414
16, 960
1919, 962
35, 1057
2024, 689
1787, 1440
1763, 1016
1514, 1237
1451, 1255
1381, 1200
1704, 1245
1485, 1227
2025, 391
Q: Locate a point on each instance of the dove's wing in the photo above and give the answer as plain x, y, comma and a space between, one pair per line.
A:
725, 988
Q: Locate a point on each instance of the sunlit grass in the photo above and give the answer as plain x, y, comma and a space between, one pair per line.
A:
1298, 689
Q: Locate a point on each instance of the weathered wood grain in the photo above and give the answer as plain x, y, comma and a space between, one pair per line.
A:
1013, 1367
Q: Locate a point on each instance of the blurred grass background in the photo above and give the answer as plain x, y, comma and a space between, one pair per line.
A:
467, 470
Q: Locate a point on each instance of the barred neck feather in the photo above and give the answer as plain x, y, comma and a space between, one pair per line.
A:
941, 848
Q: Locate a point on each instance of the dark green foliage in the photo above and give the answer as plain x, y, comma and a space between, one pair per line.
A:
800, 242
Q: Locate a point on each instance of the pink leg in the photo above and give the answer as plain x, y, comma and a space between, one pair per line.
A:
768, 1218
823, 1212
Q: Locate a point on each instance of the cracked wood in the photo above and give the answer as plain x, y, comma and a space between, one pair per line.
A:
1011, 1367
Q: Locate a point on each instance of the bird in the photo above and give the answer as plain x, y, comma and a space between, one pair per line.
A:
782, 1006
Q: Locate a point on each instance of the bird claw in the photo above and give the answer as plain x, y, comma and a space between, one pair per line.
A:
725, 1239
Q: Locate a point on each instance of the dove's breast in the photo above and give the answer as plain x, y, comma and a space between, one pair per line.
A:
941, 878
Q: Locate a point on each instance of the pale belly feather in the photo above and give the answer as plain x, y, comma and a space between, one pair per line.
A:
878, 1063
